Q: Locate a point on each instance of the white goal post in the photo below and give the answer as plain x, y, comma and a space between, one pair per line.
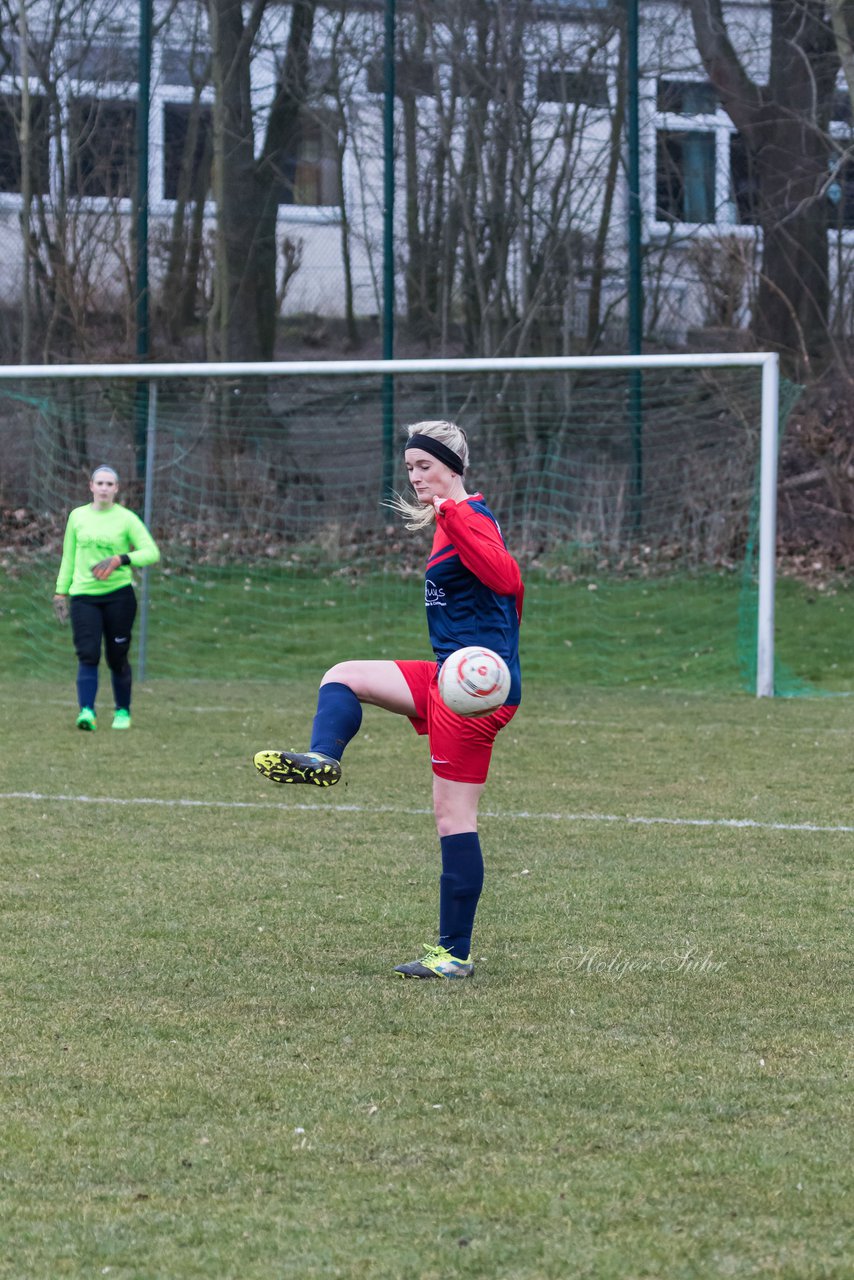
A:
766, 362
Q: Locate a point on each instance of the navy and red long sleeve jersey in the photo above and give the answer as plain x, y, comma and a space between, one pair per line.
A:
473, 588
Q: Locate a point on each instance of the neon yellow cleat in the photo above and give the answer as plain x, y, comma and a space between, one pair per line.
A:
86, 720
437, 962
291, 766
121, 720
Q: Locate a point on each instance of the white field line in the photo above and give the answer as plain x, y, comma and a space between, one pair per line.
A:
72, 710
522, 815
571, 722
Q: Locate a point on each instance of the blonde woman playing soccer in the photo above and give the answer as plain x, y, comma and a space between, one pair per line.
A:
473, 595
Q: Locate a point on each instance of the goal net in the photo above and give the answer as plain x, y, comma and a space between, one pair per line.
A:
625, 486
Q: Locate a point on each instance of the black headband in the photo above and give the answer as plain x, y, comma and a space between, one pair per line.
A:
437, 449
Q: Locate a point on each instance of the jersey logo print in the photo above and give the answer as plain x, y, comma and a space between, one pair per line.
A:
433, 595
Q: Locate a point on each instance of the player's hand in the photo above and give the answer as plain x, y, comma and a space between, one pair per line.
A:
104, 568
60, 609
438, 503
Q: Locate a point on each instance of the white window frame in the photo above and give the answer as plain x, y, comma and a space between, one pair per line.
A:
719, 125
163, 94
70, 87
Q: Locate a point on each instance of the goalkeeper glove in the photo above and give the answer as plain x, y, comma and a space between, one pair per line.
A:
104, 568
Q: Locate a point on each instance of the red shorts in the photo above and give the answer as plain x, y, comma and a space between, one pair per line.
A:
460, 746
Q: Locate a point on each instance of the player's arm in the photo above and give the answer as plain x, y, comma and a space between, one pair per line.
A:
145, 550
69, 554
480, 547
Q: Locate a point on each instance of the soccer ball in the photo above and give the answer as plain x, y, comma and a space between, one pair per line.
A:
474, 681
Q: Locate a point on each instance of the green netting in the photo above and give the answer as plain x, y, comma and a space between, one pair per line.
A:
627, 498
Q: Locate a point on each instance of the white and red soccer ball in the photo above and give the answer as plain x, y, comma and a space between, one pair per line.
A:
474, 681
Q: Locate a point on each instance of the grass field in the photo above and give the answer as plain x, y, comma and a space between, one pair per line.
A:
209, 1069
696, 633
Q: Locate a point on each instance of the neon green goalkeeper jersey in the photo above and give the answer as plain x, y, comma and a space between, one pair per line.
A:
92, 536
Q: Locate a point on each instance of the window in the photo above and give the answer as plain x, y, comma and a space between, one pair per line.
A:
99, 62
102, 137
185, 67
181, 121
841, 197
311, 176
558, 84
409, 77
841, 112
10, 55
686, 97
705, 173
685, 176
840, 190
307, 178
322, 74
11, 106
686, 169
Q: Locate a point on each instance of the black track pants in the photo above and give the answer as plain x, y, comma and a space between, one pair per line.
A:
108, 618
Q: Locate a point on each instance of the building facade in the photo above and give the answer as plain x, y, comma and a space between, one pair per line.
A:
509, 168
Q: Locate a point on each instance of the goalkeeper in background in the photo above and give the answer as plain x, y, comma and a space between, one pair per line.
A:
473, 596
94, 585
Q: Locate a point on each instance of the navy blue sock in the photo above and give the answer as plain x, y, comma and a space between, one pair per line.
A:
459, 889
121, 688
87, 684
337, 720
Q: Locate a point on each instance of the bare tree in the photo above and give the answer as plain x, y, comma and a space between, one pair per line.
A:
248, 188
348, 57
183, 242
78, 164
785, 124
506, 130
